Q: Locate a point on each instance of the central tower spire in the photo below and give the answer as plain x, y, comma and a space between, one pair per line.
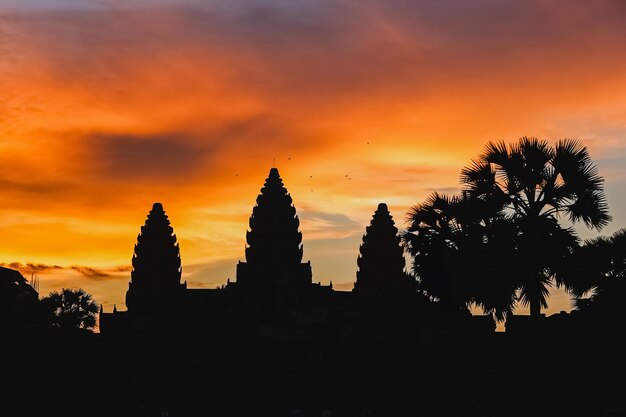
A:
156, 272
273, 273
274, 241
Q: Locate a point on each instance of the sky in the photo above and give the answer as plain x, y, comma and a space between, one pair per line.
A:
109, 106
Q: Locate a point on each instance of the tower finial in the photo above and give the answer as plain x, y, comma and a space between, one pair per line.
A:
274, 163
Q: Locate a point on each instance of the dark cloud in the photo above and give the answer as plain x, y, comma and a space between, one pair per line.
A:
31, 268
329, 47
123, 268
89, 272
166, 155
42, 188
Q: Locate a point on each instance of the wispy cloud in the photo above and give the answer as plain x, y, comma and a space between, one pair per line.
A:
324, 225
90, 272
31, 268
86, 271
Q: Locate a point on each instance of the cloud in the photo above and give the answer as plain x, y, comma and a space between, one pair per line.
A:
90, 272
163, 156
86, 271
123, 268
31, 268
210, 274
317, 224
35, 188
443, 190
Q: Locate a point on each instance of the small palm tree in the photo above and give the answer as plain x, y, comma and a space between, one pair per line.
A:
533, 184
71, 309
598, 276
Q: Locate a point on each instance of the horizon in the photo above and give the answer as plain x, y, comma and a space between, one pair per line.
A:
109, 108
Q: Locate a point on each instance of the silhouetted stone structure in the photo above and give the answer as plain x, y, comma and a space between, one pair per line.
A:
381, 260
274, 281
155, 277
155, 293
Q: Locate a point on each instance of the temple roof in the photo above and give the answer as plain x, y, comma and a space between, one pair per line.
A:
156, 258
381, 259
274, 238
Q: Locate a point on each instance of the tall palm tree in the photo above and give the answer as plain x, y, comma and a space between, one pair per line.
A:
534, 184
71, 309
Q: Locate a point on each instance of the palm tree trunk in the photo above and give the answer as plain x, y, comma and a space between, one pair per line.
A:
535, 308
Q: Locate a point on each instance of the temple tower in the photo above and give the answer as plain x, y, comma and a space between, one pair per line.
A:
274, 271
381, 260
155, 277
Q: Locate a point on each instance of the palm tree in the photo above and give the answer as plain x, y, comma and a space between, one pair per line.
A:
533, 184
459, 245
71, 309
598, 276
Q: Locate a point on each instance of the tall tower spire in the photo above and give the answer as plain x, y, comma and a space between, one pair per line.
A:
274, 240
156, 261
381, 261
274, 247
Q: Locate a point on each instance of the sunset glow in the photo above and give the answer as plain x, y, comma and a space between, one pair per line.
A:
109, 107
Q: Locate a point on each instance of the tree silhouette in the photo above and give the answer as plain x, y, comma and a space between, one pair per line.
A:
18, 300
71, 309
460, 248
533, 183
598, 276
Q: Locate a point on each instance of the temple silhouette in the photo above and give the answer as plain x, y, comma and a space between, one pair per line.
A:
322, 347
274, 287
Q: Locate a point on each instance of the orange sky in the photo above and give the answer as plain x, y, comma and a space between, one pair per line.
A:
107, 107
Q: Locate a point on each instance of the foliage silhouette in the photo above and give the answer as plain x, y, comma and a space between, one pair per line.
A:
18, 302
70, 310
533, 183
460, 247
598, 271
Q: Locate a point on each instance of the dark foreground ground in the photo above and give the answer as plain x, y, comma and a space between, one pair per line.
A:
501, 375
